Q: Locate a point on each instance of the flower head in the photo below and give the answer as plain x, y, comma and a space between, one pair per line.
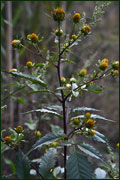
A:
29, 64
59, 32
19, 129
86, 29
76, 18
105, 60
114, 73
54, 144
15, 43
68, 86
58, 14
34, 38
103, 65
90, 123
115, 65
76, 121
8, 139
13, 70
82, 72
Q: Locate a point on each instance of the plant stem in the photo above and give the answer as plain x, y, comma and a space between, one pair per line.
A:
63, 102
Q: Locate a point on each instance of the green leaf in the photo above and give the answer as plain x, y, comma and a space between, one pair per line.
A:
83, 109
34, 92
22, 165
56, 129
55, 107
4, 147
21, 100
32, 78
90, 150
100, 137
47, 163
94, 116
39, 64
78, 167
45, 140
12, 165
94, 88
45, 111
67, 61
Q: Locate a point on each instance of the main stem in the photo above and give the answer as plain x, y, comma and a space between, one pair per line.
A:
63, 104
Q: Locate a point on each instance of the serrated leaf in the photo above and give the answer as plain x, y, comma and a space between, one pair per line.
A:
56, 129
44, 111
47, 163
94, 116
32, 78
78, 167
100, 137
46, 140
90, 150
22, 165
94, 88
83, 109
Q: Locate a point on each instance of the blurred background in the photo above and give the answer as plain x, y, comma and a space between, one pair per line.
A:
25, 17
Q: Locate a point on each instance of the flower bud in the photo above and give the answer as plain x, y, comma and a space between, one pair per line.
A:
19, 129
76, 18
59, 32
105, 60
114, 73
74, 37
29, 64
68, 86
87, 115
13, 70
38, 133
63, 79
83, 72
115, 65
16, 43
34, 38
90, 123
85, 30
117, 144
54, 144
72, 80
91, 132
103, 65
8, 139
58, 14
76, 121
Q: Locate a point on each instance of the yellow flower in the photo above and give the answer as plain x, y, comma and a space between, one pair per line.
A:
15, 43
63, 79
72, 79
38, 133
105, 60
19, 129
114, 73
83, 72
103, 65
76, 18
29, 64
8, 139
74, 37
13, 70
115, 65
34, 38
91, 132
76, 121
90, 123
54, 144
87, 115
117, 144
58, 14
86, 29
